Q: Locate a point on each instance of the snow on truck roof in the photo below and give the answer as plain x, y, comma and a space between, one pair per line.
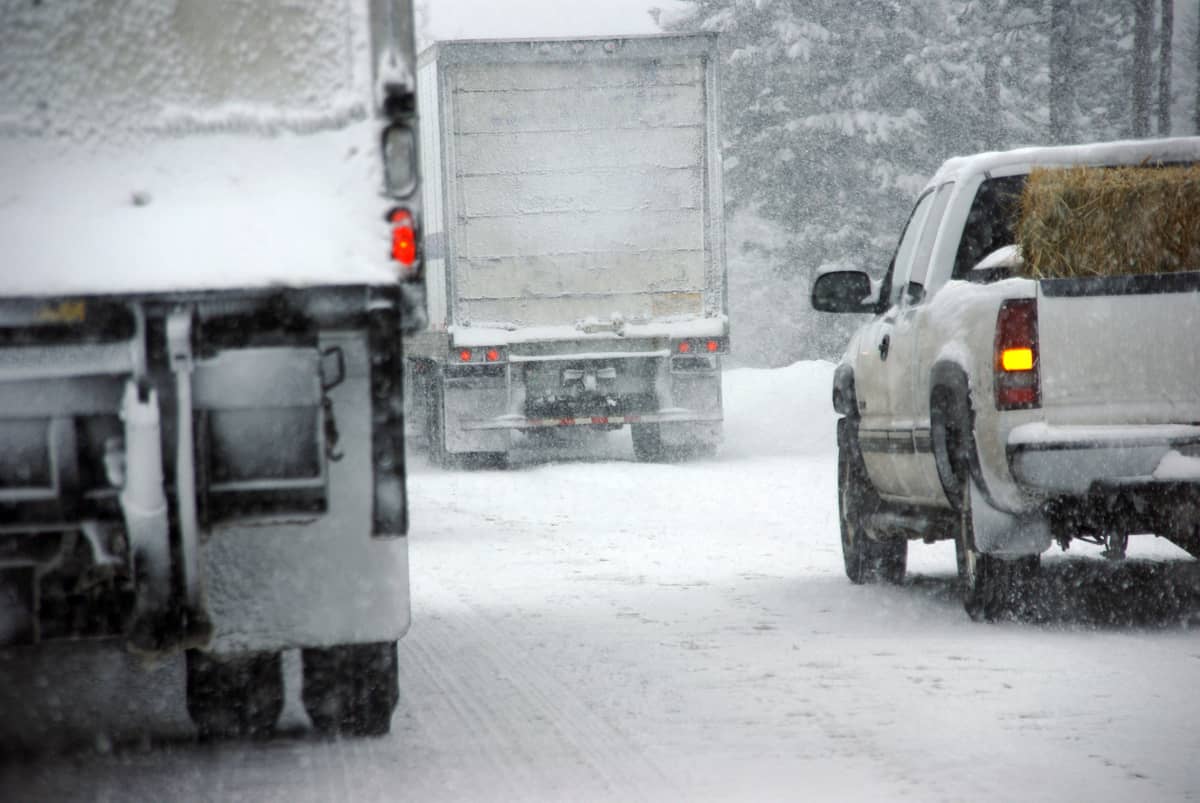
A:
1126, 152
149, 146
577, 48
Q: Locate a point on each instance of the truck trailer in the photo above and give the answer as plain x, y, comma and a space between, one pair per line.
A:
210, 252
575, 248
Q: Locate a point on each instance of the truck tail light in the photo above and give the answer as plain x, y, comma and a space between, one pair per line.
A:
707, 345
404, 240
489, 354
1017, 370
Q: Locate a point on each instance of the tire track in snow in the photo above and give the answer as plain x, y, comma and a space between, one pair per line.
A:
541, 741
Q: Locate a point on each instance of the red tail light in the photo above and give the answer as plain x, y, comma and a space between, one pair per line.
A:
1017, 370
493, 355
713, 346
465, 355
404, 238
685, 347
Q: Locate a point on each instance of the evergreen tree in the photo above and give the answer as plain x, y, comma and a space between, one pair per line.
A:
837, 111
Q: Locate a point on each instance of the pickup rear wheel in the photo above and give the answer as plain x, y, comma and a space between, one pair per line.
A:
234, 696
992, 587
865, 560
351, 689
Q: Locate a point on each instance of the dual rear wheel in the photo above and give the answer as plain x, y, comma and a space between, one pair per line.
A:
350, 690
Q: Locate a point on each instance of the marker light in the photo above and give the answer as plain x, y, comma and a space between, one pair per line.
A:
404, 238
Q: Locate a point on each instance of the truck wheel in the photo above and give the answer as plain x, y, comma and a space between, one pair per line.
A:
865, 559
992, 587
351, 689
647, 443
237, 696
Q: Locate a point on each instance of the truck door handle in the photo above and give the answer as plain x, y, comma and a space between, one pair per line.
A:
884, 345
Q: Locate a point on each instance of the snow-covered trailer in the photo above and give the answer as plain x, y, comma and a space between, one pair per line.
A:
208, 249
575, 242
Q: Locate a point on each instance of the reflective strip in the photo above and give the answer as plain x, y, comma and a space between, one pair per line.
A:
589, 421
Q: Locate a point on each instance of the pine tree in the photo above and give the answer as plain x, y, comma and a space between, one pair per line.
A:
1165, 31
1142, 28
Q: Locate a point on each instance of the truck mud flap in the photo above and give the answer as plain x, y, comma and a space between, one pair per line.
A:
18, 605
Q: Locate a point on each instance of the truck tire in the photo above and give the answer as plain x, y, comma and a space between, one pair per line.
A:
992, 587
647, 443
234, 696
351, 689
865, 559
436, 425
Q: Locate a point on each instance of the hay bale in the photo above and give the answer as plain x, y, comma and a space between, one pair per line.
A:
1110, 221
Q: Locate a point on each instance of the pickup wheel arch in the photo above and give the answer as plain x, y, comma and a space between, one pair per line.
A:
845, 401
951, 429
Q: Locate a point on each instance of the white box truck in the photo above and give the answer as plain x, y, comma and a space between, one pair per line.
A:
208, 238
575, 243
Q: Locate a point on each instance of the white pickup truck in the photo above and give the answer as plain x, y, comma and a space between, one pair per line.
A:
1009, 412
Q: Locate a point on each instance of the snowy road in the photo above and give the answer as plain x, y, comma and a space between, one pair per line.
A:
607, 630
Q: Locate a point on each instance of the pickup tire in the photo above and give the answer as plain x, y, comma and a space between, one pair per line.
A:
865, 559
234, 696
351, 689
992, 587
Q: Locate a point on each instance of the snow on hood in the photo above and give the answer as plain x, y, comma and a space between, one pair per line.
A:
202, 211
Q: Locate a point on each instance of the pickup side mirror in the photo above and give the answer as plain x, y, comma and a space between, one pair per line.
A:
843, 291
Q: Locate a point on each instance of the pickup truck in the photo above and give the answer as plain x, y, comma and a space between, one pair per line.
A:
1007, 412
209, 239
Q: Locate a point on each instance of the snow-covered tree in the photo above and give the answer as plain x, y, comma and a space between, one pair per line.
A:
837, 111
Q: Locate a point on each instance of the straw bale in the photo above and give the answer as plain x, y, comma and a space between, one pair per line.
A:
1110, 221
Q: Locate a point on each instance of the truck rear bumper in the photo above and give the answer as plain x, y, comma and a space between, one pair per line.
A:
661, 417
1074, 459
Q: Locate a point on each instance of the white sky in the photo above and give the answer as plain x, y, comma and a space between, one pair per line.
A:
500, 19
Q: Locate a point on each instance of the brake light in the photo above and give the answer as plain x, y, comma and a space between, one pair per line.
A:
1017, 374
493, 355
465, 355
404, 238
695, 345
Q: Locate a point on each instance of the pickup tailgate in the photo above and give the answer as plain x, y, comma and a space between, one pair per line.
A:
1121, 350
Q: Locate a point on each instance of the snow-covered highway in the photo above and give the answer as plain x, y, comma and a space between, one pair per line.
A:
590, 628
